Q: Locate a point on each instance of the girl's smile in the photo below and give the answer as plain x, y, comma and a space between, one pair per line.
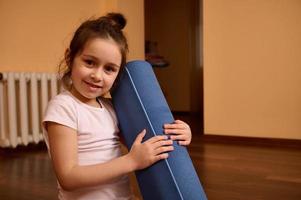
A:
92, 86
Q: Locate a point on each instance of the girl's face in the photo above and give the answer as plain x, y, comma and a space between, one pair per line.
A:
95, 69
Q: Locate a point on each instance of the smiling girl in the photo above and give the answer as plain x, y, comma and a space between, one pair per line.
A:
80, 125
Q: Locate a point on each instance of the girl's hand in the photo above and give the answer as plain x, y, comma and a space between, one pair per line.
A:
154, 149
180, 131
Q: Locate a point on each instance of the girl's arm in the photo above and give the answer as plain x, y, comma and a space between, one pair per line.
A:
180, 131
63, 150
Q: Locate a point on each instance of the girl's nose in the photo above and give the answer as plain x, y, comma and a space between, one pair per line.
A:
96, 75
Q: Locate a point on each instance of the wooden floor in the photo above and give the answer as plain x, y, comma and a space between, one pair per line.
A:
228, 170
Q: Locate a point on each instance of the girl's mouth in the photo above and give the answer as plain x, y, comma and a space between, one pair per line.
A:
92, 85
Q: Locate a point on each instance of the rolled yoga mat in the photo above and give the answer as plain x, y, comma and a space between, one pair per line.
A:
140, 104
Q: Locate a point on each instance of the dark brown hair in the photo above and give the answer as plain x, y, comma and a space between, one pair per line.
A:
106, 27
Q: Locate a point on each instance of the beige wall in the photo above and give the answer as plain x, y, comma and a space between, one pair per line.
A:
134, 11
34, 33
252, 68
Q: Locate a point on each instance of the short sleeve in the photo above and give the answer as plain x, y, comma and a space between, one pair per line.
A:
63, 113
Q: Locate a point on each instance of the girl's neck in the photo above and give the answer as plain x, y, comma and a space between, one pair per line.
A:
91, 102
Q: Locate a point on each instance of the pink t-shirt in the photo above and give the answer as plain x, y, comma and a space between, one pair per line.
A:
98, 142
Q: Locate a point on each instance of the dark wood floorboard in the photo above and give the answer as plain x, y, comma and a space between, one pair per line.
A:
26, 174
228, 170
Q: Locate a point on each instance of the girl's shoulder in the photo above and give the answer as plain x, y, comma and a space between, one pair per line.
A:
62, 96
64, 99
62, 109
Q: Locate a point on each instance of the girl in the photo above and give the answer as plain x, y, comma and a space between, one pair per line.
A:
80, 125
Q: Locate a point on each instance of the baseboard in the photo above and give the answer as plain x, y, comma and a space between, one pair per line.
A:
187, 113
25, 148
239, 140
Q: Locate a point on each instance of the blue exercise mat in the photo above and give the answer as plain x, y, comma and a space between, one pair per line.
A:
140, 104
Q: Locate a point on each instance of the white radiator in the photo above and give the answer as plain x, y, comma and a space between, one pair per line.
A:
23, 99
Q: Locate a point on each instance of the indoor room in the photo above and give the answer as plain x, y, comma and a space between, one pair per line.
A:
224, 74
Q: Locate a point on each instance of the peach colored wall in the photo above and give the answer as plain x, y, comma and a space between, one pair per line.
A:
252, 68
134, 30
34, 33
134, 11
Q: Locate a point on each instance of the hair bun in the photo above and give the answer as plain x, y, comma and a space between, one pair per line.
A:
116, 20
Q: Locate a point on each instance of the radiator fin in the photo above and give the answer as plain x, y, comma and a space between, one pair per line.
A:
23, 100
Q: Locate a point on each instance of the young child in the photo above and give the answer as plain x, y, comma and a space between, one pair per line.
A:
80, 125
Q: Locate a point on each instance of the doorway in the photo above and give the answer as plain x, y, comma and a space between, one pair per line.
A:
173, 35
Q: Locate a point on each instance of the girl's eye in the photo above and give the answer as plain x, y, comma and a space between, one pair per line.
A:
110, 69
89, 63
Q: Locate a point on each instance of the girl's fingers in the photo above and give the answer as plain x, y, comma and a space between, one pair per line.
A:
177, 121
157, 138
175, 131
163, 149
184, 143
180, 122
178, 137
161, 156
162, 143
140, 136
175, 126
